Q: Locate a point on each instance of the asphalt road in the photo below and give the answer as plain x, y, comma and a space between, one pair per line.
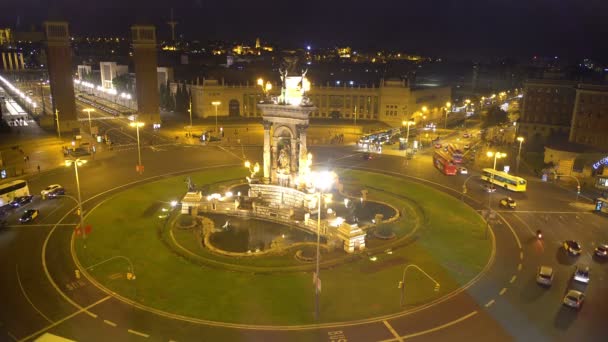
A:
40, 293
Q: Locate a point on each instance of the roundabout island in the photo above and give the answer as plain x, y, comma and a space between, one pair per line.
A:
159, 261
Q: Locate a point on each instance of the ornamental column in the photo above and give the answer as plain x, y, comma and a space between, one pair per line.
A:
267, 126
294, 160
303, 149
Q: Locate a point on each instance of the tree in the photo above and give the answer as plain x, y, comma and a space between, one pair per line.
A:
121, 83
495, 116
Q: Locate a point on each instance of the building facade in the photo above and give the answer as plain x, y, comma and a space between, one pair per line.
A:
547, 109
392, 102
590, 116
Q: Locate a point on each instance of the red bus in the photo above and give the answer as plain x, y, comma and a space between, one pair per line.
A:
444, 163
455, 153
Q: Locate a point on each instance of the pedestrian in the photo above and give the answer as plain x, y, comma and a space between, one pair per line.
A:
28, 158
38, 168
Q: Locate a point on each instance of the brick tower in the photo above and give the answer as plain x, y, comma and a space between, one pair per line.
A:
146, 84
59, 56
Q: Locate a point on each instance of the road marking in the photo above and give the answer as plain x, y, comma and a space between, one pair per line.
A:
503, 291
512, 230
521, 255
513, 279
519, 267
109, 322
85, 309
28, 298
390, 328
135, 332
545, 212
488, 304
439, 327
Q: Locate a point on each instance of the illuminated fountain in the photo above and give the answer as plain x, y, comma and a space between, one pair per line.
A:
288, 192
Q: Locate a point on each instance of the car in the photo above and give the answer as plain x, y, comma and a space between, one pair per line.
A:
445, 149
572, 247
508, 202
545, 275
581, 274
48, 189
29, 215
489, 188
21, 201
463, 170
367, 156
601, 250
466, 135
56, 192
467, 146
574, 299
437, 145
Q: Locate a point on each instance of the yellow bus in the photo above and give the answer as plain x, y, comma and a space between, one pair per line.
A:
503, 179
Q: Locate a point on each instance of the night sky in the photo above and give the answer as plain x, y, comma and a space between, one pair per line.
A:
567, 28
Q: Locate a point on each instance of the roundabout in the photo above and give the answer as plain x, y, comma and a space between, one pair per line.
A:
176, 276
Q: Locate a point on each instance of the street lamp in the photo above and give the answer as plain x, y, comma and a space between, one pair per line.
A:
253, 169
521, 140
216, 104
57, 119
496, 155
407, 135
78, 162
190, 112
322, 182
88, 111
448, 105
137, 125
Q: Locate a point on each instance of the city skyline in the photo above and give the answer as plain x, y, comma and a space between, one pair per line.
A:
437, 28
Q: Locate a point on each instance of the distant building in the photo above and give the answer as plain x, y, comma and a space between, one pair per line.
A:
590, 116
5, 36
392, 102
110, 70
547, 109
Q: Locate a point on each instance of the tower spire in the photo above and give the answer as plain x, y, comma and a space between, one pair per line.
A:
172, 23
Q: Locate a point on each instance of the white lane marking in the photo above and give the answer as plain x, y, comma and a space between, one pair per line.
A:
439, 327
28, 298
109, 322
135, 332
519, 267
503, 291
390, 328
521, 255
488, 304
513, 279
85, 309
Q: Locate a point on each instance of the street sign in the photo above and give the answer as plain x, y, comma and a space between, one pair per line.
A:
139, 168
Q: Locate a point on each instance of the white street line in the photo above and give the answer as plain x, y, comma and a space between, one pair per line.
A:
488, 304
109, 322
390, 328
134, 332
521, 255
28, 298
503, 291
513, 279
519, 267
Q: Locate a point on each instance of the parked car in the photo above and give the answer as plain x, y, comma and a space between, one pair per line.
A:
466, 135
581, 274
29, 215
21, 201
572, 247
574, 299
56, 192
437, 145
508, 202
367, 156
463, 170
48, 189
545, 275
489, 188
602, 250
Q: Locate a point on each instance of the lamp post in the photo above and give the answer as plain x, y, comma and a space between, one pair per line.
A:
190, 112
78, 162
137, 125
322, 182
448, 105
466, 113
496, 155
521, 140
58, 128
88, 111
402, 282
216, 104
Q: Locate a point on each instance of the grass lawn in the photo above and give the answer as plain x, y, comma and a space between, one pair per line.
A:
449, 246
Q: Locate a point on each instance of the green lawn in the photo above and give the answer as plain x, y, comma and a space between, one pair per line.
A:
449, 246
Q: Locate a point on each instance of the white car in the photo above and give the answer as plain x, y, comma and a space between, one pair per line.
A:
574, 299
581, 274
545, 275
49, 189
463, 170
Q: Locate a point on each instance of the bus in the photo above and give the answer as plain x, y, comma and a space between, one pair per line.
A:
443, 162
456, 153
504, 179
10, 190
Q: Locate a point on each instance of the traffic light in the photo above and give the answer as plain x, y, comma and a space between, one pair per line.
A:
578, 189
